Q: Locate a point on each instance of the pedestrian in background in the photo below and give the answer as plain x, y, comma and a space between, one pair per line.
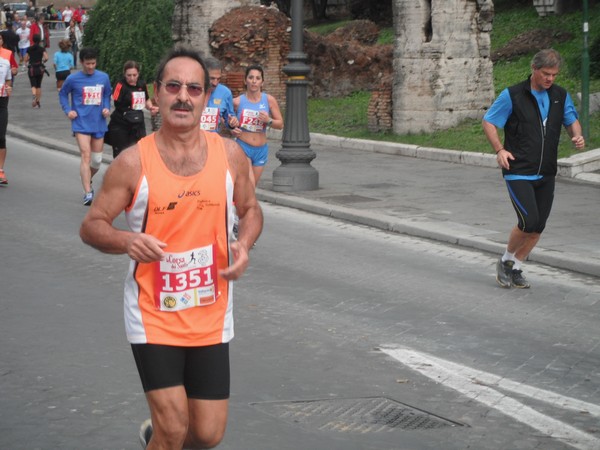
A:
130, 97
5, 91
36, 58
67, 14
39, 26
256, 111
63, 62
179, 316
532, 114
85, 99
23, 32
75, 34
11, 39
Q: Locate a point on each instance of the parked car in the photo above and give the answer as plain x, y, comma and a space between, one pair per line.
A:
19, 7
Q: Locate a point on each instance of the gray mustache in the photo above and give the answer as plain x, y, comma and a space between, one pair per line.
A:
181, 105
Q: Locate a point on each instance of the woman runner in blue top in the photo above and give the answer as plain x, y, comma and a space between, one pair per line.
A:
255, 111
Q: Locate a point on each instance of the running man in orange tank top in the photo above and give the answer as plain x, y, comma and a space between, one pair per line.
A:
177, 187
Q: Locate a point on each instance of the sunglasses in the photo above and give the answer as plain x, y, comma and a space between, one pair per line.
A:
173, 87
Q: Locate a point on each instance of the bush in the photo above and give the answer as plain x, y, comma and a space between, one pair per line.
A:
576, 61
130, 29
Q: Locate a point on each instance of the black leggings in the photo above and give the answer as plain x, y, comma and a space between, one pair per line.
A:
532, 201
3, 120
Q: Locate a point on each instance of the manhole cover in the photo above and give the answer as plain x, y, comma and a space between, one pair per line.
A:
359, 415
349, 199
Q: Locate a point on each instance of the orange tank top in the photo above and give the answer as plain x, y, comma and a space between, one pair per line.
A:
181, 300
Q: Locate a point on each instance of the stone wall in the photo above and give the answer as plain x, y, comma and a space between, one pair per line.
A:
192, 20
379, 112
253, 35
442, 66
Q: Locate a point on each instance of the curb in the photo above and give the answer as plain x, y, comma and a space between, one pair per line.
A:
461, 236
578, 167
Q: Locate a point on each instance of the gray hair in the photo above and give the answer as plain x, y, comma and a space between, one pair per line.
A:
546, 58
212, 64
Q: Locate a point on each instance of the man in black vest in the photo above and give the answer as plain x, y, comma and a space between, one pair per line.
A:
532, 114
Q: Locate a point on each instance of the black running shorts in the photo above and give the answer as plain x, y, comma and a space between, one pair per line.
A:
532, 201
203, 371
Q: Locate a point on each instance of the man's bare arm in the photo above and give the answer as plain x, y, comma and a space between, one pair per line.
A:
247, 207
116, 194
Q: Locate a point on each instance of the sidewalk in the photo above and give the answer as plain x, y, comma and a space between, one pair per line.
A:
448, 196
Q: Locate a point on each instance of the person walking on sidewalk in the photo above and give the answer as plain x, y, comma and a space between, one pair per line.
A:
532, 114
6, 74
63, 62
40, 27
36, 58
74, 34
177, 187
23, 32
85, 99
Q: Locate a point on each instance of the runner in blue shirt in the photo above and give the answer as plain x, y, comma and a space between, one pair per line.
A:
219, 106
532, 114
89, 106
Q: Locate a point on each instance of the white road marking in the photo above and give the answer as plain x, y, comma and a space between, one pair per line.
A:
468, 381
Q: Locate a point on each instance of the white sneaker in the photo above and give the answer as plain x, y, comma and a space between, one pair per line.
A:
145, 433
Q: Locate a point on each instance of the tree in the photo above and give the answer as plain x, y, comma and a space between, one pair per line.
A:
130, 29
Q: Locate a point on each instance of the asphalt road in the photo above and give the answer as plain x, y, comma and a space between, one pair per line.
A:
338, 328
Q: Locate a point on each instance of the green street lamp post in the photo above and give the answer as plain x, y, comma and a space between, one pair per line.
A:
585, 75
295, 172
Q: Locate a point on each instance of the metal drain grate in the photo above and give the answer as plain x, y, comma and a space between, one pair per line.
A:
359, 415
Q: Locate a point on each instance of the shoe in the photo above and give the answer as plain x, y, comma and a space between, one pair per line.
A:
145, 433
504, 273
88, 198
3, 179
519, 281
33, 102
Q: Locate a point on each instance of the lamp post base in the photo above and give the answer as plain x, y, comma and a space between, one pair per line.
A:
295, 177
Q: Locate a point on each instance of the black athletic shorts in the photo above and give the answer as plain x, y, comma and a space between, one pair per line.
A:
532, 201
203, 371
62, 75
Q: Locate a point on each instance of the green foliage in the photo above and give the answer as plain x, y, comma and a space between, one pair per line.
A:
121, 30
326, 113
386, 36
329, 27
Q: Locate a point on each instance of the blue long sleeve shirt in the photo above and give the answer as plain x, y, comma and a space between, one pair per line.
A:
88, 95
